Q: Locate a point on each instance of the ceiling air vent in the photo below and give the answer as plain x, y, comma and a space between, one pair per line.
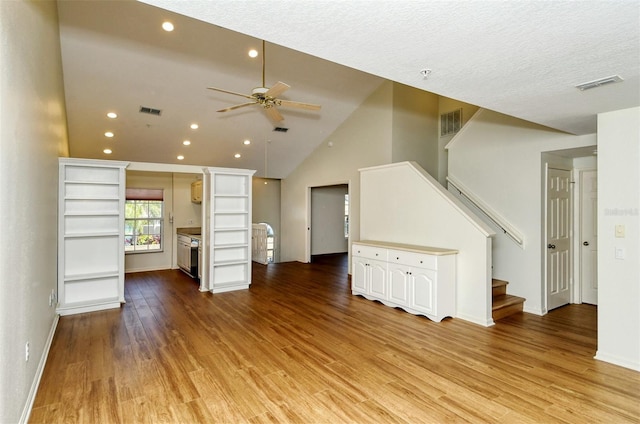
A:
281, 129
597, 83
150, 110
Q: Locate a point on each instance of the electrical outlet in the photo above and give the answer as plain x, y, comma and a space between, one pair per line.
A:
26, 352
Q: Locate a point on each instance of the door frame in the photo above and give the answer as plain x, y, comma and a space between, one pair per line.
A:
307, 249
577, 228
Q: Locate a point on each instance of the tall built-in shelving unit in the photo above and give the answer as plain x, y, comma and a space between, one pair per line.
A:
90, 235
229, 228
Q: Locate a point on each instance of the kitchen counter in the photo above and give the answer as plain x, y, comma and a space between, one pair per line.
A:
195, 232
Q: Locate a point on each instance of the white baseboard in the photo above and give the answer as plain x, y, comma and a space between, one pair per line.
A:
476, 320
616, 360
26, 412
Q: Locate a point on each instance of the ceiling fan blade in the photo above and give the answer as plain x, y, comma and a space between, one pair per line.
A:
274, 114
277, 89
236, 106
289, 103
230, 92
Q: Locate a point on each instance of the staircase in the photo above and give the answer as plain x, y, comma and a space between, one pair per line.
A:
504, 304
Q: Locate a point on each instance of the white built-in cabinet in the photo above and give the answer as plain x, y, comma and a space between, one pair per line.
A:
228, 228
90, 235
421, 280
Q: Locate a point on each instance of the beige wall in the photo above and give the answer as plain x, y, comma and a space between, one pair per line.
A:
446, 105
32, 137
415, 127
364, 139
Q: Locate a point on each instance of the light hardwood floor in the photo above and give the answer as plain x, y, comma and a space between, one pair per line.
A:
298, 347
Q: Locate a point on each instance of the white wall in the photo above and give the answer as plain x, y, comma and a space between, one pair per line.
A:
33, 135
327, 220
265, 205
619, 204
499, 159
177, 203
364, 139
402, 203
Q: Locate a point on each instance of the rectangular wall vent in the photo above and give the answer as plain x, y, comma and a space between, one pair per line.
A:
150, 110
281, 129
597, 83
451, 122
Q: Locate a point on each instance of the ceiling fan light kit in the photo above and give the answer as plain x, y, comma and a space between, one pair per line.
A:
267, 97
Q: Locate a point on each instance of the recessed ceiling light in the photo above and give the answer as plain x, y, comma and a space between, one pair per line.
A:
253, 53
167, 26
246, 142
180, 157
186, 142
112, 115
108, 134
107, 151
194, 126
237, 155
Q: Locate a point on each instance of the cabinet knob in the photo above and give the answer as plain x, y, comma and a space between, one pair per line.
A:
397, 258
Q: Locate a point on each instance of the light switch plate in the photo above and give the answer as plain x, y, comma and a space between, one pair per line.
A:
620, 231
620, 253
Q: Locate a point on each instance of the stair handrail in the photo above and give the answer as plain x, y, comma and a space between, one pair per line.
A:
495, 217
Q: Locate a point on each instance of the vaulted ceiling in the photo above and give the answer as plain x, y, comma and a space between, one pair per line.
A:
519, 58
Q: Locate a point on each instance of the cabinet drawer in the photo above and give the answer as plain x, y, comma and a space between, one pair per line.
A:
418, 260
369, 252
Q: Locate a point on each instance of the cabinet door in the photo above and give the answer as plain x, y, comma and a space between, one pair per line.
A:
423, 290
398, 284
359, 275
378, 279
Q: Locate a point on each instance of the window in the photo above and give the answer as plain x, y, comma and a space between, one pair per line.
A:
143, 218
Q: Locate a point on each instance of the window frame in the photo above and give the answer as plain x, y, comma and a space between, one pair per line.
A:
145, 199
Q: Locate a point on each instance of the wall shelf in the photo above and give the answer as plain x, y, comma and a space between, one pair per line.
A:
229, 219
91, 235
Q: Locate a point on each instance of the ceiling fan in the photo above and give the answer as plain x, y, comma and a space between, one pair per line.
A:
267, 97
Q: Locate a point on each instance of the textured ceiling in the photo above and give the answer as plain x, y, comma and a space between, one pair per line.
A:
521, 58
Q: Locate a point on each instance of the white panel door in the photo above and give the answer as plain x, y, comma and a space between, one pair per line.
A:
259, 244
589, 236
558, 238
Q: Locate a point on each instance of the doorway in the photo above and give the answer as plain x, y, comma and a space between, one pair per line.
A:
569, 277
328, 229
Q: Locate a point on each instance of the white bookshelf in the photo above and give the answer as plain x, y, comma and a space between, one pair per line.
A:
229, 228
91, 235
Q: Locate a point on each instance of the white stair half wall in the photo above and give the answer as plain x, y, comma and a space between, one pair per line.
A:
402, 203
